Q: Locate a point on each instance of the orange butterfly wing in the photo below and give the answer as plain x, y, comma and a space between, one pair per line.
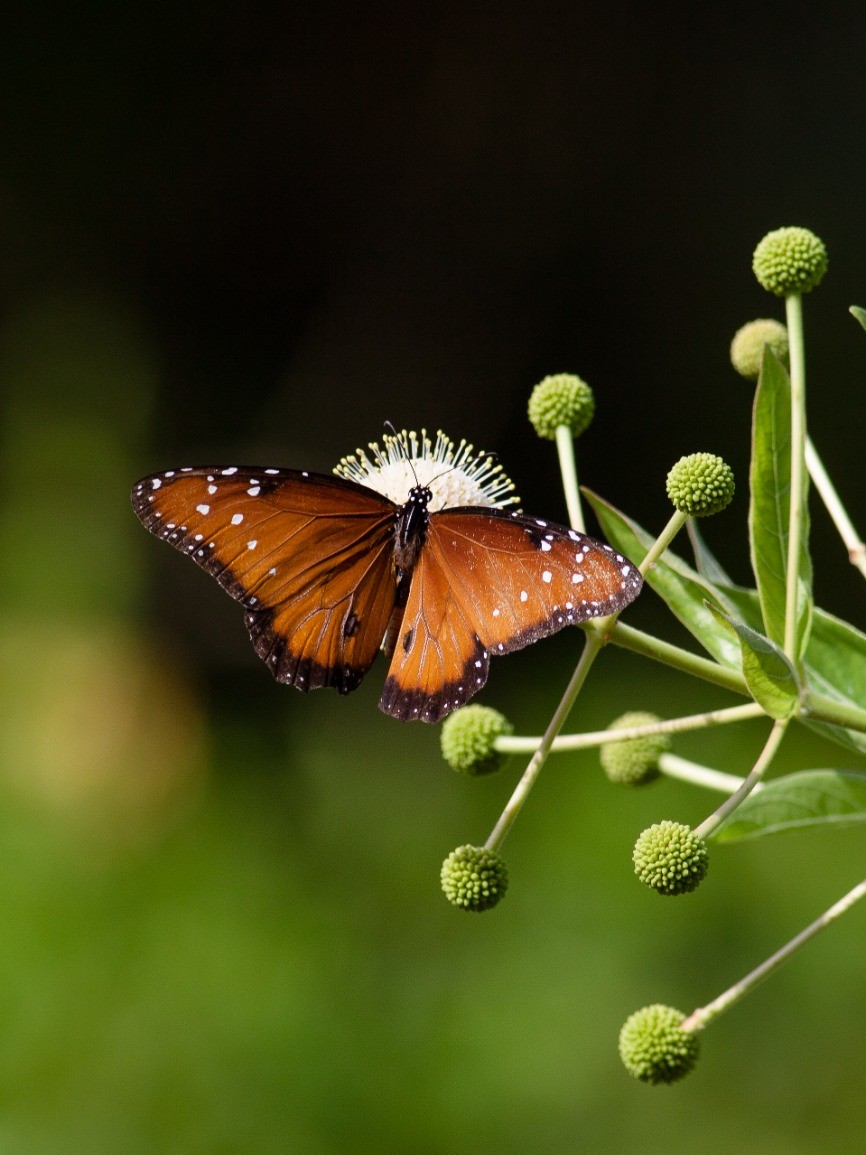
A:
488, 582
310, 558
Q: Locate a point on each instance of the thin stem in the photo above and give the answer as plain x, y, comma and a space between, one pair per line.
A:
853, 542
796, 512
591, 649
662, 542
511, 744
674, 767
715, 820
700, 1018
820, 709
628, 638
568, 469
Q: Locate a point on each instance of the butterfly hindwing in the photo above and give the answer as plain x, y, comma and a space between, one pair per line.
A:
489, 582
307, 555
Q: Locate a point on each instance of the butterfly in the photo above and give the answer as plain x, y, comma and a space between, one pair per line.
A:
329, 571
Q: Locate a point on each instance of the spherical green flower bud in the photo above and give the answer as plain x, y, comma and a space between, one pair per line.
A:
474, 878
654, 1047
747, 347
700, 484
789, 261
561, 399
467, 739
670, 858
634, 761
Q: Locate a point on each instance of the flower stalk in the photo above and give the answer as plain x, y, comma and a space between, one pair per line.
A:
711, 824
568, 469
514, 744
797, 499
701, 1017
593, 643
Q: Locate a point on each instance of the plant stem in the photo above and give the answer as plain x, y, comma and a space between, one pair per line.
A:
592, 647
628, 638
513, 744
568, 469
662, 542
675, 767
700, 1018
855, 545
822, 709
715, 820
797, 496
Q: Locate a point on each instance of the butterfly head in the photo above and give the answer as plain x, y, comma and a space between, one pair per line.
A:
420, 496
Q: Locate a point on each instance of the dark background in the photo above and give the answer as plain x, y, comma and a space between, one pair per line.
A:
257, 235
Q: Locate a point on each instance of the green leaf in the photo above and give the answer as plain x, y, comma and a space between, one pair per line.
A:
859, 313
770, 676
706, 562
682, 588
809, 798
835, 663
836, 667
770, 479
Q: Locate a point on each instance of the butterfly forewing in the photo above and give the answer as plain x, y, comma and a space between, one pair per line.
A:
486, 583
307, 555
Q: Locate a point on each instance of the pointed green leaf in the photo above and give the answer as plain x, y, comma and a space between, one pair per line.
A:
706, 562
770, 479
809, 798
836, 668
835, 663
771, 678
859, 313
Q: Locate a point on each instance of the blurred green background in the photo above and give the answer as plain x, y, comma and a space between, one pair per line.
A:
257, 236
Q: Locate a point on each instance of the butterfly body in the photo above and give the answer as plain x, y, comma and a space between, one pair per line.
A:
329, 571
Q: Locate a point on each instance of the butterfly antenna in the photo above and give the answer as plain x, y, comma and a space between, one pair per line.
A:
402, 448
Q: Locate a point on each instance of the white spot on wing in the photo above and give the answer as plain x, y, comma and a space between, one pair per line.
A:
156, 483
228, 472
524, 595
254, 490
252, 544
203, 508
547, 576
237, 518
211, 489
546, 547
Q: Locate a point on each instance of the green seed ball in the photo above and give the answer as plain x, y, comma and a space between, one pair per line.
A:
790, 260
561, 399
670, 858
468, 737
700, 484
634, 761
747, 347
654, 1047
474, 878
